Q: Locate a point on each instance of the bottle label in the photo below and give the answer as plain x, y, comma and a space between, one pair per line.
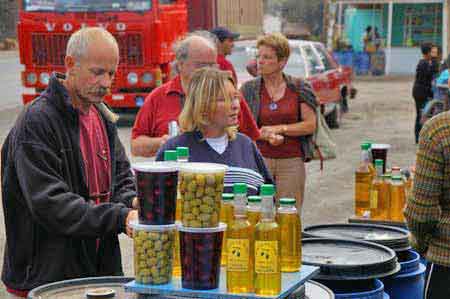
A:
374, 199
238, 255
266, 257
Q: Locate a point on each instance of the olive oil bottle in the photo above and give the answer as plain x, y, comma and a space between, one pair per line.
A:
398, 199
379, 194
182, 157
363, 181
226, 216
267, 247
240, 233
254, 209
291, 239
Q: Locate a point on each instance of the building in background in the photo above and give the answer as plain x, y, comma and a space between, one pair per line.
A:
8, 18
403, 25
245, 17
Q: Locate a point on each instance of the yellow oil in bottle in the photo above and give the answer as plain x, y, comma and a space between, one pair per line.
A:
253, 217
226, 216
363, 181
176, 262
267, 248
290, 225
240, 258
171, 155
398, 198
380, 210
379, 194
254, 209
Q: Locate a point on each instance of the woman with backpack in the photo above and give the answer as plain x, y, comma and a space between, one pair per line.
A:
284, 108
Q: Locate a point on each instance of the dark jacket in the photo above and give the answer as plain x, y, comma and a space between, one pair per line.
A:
425, 72
51, 226
252, 94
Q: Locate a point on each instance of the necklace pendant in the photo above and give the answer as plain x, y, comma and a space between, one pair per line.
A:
273, 106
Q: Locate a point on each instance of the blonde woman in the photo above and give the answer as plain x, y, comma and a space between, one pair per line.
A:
209, 121
283, 107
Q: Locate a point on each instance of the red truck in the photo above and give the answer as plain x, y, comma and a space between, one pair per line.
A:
144, 29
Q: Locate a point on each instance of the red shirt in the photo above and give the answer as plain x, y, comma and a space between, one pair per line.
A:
225, 65
287, 112
94, 147
163, 105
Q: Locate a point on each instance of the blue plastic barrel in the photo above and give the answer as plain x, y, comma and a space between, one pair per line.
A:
410, 281
362, 63
347, 58
364, 289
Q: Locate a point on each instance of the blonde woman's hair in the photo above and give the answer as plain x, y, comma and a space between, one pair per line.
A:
206, 86
278, 42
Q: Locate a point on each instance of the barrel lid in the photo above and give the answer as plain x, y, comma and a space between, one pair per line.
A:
317, 290
83, 288
341, 259
393, 237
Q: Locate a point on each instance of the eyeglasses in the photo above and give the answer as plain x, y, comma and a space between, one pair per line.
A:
199, 65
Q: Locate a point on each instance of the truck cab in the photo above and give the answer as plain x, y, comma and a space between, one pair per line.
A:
144, 29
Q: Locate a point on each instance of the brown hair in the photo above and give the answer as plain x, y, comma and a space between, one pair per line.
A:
278, 42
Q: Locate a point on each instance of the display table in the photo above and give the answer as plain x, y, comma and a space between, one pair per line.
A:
290, 283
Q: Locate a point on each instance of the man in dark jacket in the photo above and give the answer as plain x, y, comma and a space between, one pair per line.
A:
67, 188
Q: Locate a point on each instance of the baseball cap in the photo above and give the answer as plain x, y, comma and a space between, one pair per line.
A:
223, 33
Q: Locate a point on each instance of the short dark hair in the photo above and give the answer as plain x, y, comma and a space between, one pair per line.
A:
426, 48
368, 28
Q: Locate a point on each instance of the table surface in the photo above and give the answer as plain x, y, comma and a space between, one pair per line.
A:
290, 282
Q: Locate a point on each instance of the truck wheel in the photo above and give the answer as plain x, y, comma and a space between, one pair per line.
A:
334, 117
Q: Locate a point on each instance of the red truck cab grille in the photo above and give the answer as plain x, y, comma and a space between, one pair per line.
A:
50, 49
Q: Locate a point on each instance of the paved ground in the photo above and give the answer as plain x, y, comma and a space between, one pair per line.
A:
383, 112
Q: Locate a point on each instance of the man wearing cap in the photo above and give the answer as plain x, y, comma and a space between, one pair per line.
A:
225, 46
164, 104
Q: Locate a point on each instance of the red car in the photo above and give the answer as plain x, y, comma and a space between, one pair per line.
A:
331, 82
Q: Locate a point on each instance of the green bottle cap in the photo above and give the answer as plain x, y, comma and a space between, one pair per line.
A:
365, 146
369, 142
267, 190
254, 198
227, 196
182, 151
240, 188
379, 162
170, 155
397, 177
287, 201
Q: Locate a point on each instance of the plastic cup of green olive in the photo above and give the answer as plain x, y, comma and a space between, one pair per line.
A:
153, 253
201, 188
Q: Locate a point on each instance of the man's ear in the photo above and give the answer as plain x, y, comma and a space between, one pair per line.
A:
69, 63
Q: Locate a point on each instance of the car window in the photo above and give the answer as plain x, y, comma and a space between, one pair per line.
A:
295, 65
323, 57
312, 61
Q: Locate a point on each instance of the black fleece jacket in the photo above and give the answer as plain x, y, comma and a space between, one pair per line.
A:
51, 226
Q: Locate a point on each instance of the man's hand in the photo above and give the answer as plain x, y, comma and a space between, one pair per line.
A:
164, 139
132, 216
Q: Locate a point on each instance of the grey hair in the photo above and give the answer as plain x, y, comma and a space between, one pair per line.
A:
79, 41
181, 48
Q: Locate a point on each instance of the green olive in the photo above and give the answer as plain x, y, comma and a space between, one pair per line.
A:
201, 180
